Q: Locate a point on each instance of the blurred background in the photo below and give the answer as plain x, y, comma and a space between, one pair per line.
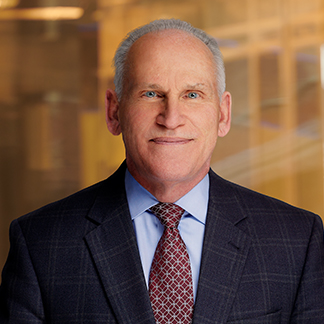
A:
55, 65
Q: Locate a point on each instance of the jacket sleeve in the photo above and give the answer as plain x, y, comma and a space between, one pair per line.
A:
309, 304
20, 295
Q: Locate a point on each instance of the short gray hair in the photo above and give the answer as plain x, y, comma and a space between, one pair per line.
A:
164, 24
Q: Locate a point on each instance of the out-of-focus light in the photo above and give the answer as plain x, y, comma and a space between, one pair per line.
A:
45, 13
4, 4
322, 64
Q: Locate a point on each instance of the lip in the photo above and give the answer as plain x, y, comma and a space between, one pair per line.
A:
170, 140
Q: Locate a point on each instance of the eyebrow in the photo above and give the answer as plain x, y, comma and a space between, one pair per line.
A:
198, 86
155, 86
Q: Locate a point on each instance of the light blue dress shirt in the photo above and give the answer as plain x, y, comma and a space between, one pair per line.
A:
148, 228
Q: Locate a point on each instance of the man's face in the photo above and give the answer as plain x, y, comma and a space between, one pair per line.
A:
170, 114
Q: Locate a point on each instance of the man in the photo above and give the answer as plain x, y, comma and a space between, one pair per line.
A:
89, 258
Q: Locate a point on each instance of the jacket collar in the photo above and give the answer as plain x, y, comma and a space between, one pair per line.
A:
225, 251
113, 247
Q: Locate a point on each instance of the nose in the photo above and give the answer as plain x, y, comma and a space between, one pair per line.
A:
171, 115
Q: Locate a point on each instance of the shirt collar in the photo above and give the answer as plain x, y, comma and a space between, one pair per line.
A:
195, 202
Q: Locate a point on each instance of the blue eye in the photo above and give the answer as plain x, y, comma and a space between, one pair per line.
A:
150, 94
192, 95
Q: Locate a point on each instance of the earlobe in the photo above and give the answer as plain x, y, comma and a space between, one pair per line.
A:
112, 108
225, 114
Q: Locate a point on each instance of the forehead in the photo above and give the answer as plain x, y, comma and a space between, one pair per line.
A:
171, 37
171, 50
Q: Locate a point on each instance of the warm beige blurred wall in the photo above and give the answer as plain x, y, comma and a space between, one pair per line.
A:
273, 61
53, 77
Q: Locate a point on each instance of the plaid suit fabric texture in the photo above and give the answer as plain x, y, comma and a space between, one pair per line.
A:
170, 287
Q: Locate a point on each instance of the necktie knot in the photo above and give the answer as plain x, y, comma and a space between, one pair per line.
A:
169, 214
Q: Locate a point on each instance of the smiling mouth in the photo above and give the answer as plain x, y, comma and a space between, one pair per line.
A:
170, 140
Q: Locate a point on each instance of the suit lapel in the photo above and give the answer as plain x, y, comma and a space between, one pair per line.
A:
113, 247
224, 254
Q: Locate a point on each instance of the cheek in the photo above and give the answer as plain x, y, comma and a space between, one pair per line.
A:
210, 131
134, 128
128, 121
208, 123
136, 116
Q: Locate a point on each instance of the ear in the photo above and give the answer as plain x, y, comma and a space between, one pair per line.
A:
112, 115
225, 114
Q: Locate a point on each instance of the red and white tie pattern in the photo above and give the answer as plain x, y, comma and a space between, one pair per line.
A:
170, 286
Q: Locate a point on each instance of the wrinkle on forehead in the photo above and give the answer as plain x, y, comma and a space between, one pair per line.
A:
172, 37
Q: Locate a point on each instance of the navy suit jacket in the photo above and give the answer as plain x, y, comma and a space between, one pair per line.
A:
77, 261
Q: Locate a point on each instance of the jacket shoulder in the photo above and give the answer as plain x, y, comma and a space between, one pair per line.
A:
76, 206
259, 209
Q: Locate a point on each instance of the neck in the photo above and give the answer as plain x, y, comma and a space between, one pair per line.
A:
168, 194
167, 191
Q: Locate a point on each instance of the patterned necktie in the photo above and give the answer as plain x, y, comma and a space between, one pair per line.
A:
170, 286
